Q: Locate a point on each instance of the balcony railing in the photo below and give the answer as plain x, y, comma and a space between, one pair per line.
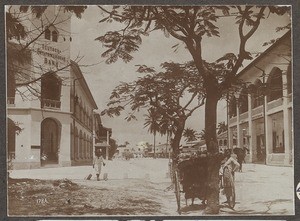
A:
53, 104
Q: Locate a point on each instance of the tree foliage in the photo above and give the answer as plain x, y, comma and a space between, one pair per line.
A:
222, 127
190, 25
190, 135
170, 96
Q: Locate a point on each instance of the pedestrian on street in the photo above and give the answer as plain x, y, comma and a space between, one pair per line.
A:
98, 162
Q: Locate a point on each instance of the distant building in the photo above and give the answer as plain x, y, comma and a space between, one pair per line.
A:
161, 150
222, 141
260, 116
194, 147
102, 136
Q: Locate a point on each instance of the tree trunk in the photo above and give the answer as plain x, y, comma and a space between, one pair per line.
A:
213, 162
154, 155
177, 137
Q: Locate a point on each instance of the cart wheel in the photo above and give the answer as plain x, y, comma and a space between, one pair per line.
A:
177, 191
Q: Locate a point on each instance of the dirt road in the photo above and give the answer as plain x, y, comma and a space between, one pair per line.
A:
140, 188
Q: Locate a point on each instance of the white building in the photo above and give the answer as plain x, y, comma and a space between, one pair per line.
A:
260, 115
50, 123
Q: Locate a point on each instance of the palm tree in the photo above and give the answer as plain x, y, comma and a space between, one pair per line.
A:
222, 127
190, 134
202, 135
152, 122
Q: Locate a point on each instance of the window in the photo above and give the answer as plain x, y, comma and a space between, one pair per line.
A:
232, 107
51, 33
289, 79
258, 95
234, 141
243, 101
54, 36
275, 84
50, 90
225, 142
47, 34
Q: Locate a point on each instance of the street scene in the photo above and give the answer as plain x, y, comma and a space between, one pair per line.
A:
149, 110
141, 187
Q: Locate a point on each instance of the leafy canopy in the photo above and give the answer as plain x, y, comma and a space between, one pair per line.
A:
170, 96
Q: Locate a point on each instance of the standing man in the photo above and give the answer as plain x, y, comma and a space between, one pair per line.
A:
97, 163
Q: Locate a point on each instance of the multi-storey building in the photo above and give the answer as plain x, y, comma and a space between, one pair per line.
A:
49, 104
260, 115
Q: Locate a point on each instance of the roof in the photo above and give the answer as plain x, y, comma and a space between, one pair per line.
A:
83, 83
262, 55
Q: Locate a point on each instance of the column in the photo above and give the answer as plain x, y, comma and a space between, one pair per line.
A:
238, 135
250, 130
267, 132
230, 137
107, 140
286, 119
64, 156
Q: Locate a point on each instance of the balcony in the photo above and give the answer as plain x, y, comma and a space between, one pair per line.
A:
274, 104
51, 104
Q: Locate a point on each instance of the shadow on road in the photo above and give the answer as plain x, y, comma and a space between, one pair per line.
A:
190, 208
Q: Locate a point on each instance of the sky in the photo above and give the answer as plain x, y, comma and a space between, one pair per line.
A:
102, 78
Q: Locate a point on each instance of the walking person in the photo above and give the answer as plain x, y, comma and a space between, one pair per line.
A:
230, 166
97, 163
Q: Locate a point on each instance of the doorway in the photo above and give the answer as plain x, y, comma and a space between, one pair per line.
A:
50, 135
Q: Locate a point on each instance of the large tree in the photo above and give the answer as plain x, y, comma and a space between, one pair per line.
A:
190, 25
171, 97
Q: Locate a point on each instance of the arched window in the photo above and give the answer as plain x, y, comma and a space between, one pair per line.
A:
76, 144
72, 142
275, 84
84, 146
54, 36
258, 96
80, 145
243, 101
289, 80
50, 90
232, 107
51, 33
47, 34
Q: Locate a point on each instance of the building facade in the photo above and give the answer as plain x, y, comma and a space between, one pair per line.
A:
260, 114
49, 104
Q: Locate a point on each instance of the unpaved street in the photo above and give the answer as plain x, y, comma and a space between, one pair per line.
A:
141, 187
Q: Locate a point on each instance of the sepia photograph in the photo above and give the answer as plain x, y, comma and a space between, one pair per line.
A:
149, 110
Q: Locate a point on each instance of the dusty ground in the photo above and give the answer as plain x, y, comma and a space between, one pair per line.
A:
64, 197
141, 187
